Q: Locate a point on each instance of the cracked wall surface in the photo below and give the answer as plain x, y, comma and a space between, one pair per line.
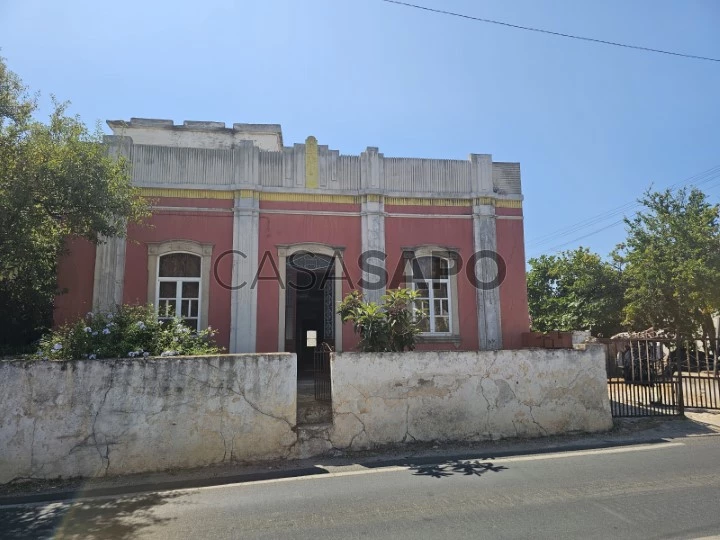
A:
108, 417
426, 396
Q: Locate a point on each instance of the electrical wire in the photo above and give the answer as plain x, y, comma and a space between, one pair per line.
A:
543, 31
556, 248
695, 180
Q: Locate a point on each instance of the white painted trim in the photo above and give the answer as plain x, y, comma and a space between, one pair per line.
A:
178, 281
360, 214
204, 251
430, 216
372, 238
452, 281
325, 213
243, 300
488, 301
311, 213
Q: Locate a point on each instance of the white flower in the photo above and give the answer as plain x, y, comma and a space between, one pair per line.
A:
57, 346
94, 333
141, 325
87, 329
92, 356
132, 354
89, 315
106, 331
146, 354
110, 316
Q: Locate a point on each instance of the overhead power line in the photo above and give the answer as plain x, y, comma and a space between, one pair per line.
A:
543, 31
593, 233
695, 180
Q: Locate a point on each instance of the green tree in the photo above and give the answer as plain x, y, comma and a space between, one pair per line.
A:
671, 262
388, 327
575, 290
57, 180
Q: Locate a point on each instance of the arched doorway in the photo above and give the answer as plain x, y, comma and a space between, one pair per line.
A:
309, 306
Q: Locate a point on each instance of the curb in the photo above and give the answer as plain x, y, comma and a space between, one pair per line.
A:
185, 484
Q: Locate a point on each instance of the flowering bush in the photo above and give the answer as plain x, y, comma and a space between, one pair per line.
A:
127, 332
392, 326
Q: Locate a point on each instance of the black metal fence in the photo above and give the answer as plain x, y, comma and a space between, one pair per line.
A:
660, 377
696, 363
323, 389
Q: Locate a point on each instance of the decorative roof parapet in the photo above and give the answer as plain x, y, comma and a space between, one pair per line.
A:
195, 125
303, 168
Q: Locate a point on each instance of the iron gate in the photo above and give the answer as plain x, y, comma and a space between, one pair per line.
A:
696, 363
660, 377
321, 372
638, 384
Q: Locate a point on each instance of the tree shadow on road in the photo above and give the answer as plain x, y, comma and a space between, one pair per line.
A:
116, 518
457, 466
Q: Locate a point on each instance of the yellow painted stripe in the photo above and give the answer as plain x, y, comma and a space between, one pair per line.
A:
309, 197
507, 203
484, 200
187, 193
413, 201
312, 169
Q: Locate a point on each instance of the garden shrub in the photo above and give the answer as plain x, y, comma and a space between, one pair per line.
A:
128, 331
391, 326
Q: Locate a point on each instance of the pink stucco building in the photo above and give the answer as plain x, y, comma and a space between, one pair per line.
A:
261, 240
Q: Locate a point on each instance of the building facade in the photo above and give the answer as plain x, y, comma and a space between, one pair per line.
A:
261, 241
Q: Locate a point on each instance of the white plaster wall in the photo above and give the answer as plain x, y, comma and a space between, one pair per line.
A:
426, 396
107, 417
187, 138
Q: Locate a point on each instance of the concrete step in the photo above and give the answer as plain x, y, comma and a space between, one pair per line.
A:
315, 412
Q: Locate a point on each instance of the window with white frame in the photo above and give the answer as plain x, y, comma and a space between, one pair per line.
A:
179, 291
431, 279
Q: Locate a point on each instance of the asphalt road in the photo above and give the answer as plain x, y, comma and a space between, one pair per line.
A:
664, 490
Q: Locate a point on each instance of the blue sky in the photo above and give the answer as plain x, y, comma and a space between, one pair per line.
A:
591, 125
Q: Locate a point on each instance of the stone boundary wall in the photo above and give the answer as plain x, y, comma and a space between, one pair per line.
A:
466, 396
108, 417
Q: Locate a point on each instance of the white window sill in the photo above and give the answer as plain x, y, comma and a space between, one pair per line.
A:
438, 338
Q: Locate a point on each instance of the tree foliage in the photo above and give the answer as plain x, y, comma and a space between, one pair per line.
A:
57, 180
392, 326
671, 262
575, 290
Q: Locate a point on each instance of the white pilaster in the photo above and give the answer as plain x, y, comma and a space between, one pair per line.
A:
485, 247
372, 213
109, 273
373, 240
243, 299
